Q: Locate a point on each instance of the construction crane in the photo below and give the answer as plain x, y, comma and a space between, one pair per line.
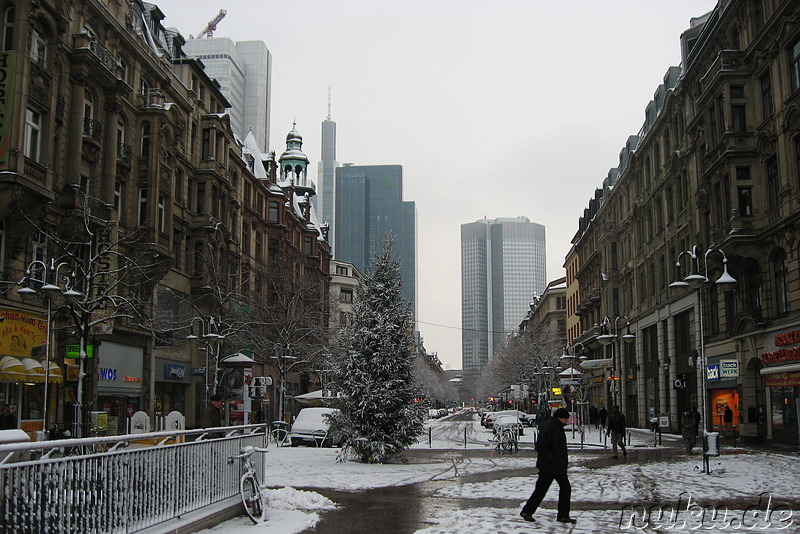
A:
208, 31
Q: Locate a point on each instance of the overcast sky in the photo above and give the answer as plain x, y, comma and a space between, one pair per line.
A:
494, 109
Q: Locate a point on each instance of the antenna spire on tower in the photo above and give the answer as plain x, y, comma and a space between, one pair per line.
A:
329, 102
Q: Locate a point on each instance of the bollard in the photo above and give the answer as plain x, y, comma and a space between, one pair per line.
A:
430, 437
465, 437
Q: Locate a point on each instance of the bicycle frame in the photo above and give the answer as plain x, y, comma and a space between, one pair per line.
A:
249, 484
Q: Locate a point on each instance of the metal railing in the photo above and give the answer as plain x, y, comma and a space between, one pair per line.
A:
140, 480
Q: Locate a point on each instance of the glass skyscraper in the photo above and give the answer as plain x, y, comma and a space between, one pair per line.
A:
503, 266
368, 204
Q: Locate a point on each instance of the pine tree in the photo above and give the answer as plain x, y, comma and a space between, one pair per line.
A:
378, 415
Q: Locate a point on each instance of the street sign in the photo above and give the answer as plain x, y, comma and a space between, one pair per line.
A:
74, 351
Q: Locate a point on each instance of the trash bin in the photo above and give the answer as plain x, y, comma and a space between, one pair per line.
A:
712, 444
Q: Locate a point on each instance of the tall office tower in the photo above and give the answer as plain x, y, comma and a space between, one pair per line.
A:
244, 72
326, 173
369, 203
503, 266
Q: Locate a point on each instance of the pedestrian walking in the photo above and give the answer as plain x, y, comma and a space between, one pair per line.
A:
212, 416
727, 418
551, 461
689, 429
602, 416
616, 428
593, 416
697, 419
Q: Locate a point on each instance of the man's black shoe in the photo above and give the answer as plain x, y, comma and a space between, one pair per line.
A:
566, 520
527, 517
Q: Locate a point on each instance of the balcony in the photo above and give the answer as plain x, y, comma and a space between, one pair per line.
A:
124, 154
92, 129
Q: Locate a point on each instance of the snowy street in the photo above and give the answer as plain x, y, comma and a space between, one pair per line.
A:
449, 489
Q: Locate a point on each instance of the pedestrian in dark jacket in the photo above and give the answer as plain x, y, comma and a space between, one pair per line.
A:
689, 429
602, 416
593, 416
616, 429
551, 448
212, 416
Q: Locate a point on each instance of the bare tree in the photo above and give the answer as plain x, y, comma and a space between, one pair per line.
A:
107, 273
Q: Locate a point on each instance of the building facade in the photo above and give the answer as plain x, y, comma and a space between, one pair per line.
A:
709, 186
503, 267
244, 71
369, 204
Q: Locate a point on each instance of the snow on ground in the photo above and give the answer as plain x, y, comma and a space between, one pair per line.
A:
738, 489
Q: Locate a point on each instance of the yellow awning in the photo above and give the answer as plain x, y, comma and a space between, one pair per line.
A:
12, 370
34, 371
56, 375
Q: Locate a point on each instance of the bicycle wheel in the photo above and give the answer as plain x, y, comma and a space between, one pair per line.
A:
251, 497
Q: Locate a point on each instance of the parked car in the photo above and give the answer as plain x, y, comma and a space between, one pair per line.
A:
433, 413
508, 421
522, 416
311, 427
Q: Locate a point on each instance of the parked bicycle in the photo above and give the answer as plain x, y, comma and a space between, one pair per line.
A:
249, 485
507, 439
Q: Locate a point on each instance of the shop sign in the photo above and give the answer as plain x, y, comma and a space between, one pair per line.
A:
777, 380
174, 372
783, 353
712, 372
729, 368
20, 332
74, 351
199, 371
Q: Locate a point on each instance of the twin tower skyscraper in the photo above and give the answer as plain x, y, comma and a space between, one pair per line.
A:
362, 203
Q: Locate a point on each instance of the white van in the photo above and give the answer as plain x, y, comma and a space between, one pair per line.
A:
311, 427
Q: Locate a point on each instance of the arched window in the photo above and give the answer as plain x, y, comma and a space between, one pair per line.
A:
781, 273
88, 113
752, 281
8, 28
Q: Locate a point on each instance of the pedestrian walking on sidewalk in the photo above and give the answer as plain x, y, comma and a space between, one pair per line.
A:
602, 416
689, 429
616, 428
551, 460
593, 416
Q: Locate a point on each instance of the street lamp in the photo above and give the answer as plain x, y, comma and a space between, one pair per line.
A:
696, 281
212, 339
612, 337
50, 290
285, 361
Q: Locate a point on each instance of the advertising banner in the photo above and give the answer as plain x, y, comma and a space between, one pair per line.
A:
21, 332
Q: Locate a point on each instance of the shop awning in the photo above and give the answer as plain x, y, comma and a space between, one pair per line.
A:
56, 374
12, 370
781, 369
589, 364
34, 371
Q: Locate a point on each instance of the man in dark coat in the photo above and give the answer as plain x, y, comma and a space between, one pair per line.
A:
616, 428
602, 415
551, 448
212, 416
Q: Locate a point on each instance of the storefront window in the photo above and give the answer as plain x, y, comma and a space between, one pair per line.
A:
784, 414
721, 399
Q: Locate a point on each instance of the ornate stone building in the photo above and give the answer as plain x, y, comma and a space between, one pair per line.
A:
710, 185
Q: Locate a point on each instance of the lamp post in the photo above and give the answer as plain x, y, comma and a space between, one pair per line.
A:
51, 290
211, 337
695, 281
576, 360
286, 360
612, 337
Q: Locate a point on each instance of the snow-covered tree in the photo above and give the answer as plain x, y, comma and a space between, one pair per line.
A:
378, 415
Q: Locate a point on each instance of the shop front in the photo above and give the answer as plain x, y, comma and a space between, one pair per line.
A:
724, 394
782, 379
172, 380
23, 373
119, 383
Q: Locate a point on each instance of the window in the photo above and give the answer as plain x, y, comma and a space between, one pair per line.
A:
739, 116
773, 183
8, 29
118, 196
123, 69
142, 217
781, 271
273, 211
260, 246
198, 257
201, 197
177, 243
758, 14
206, 146
88, 114
145, 146
179, 185
794, 65
767, 104
33, 134
745, 202
742, 173
308, 245
38, 51
161, 213
346, 296
752, 285
121, 138
246, 238
273, 251
342, 270
2, 245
